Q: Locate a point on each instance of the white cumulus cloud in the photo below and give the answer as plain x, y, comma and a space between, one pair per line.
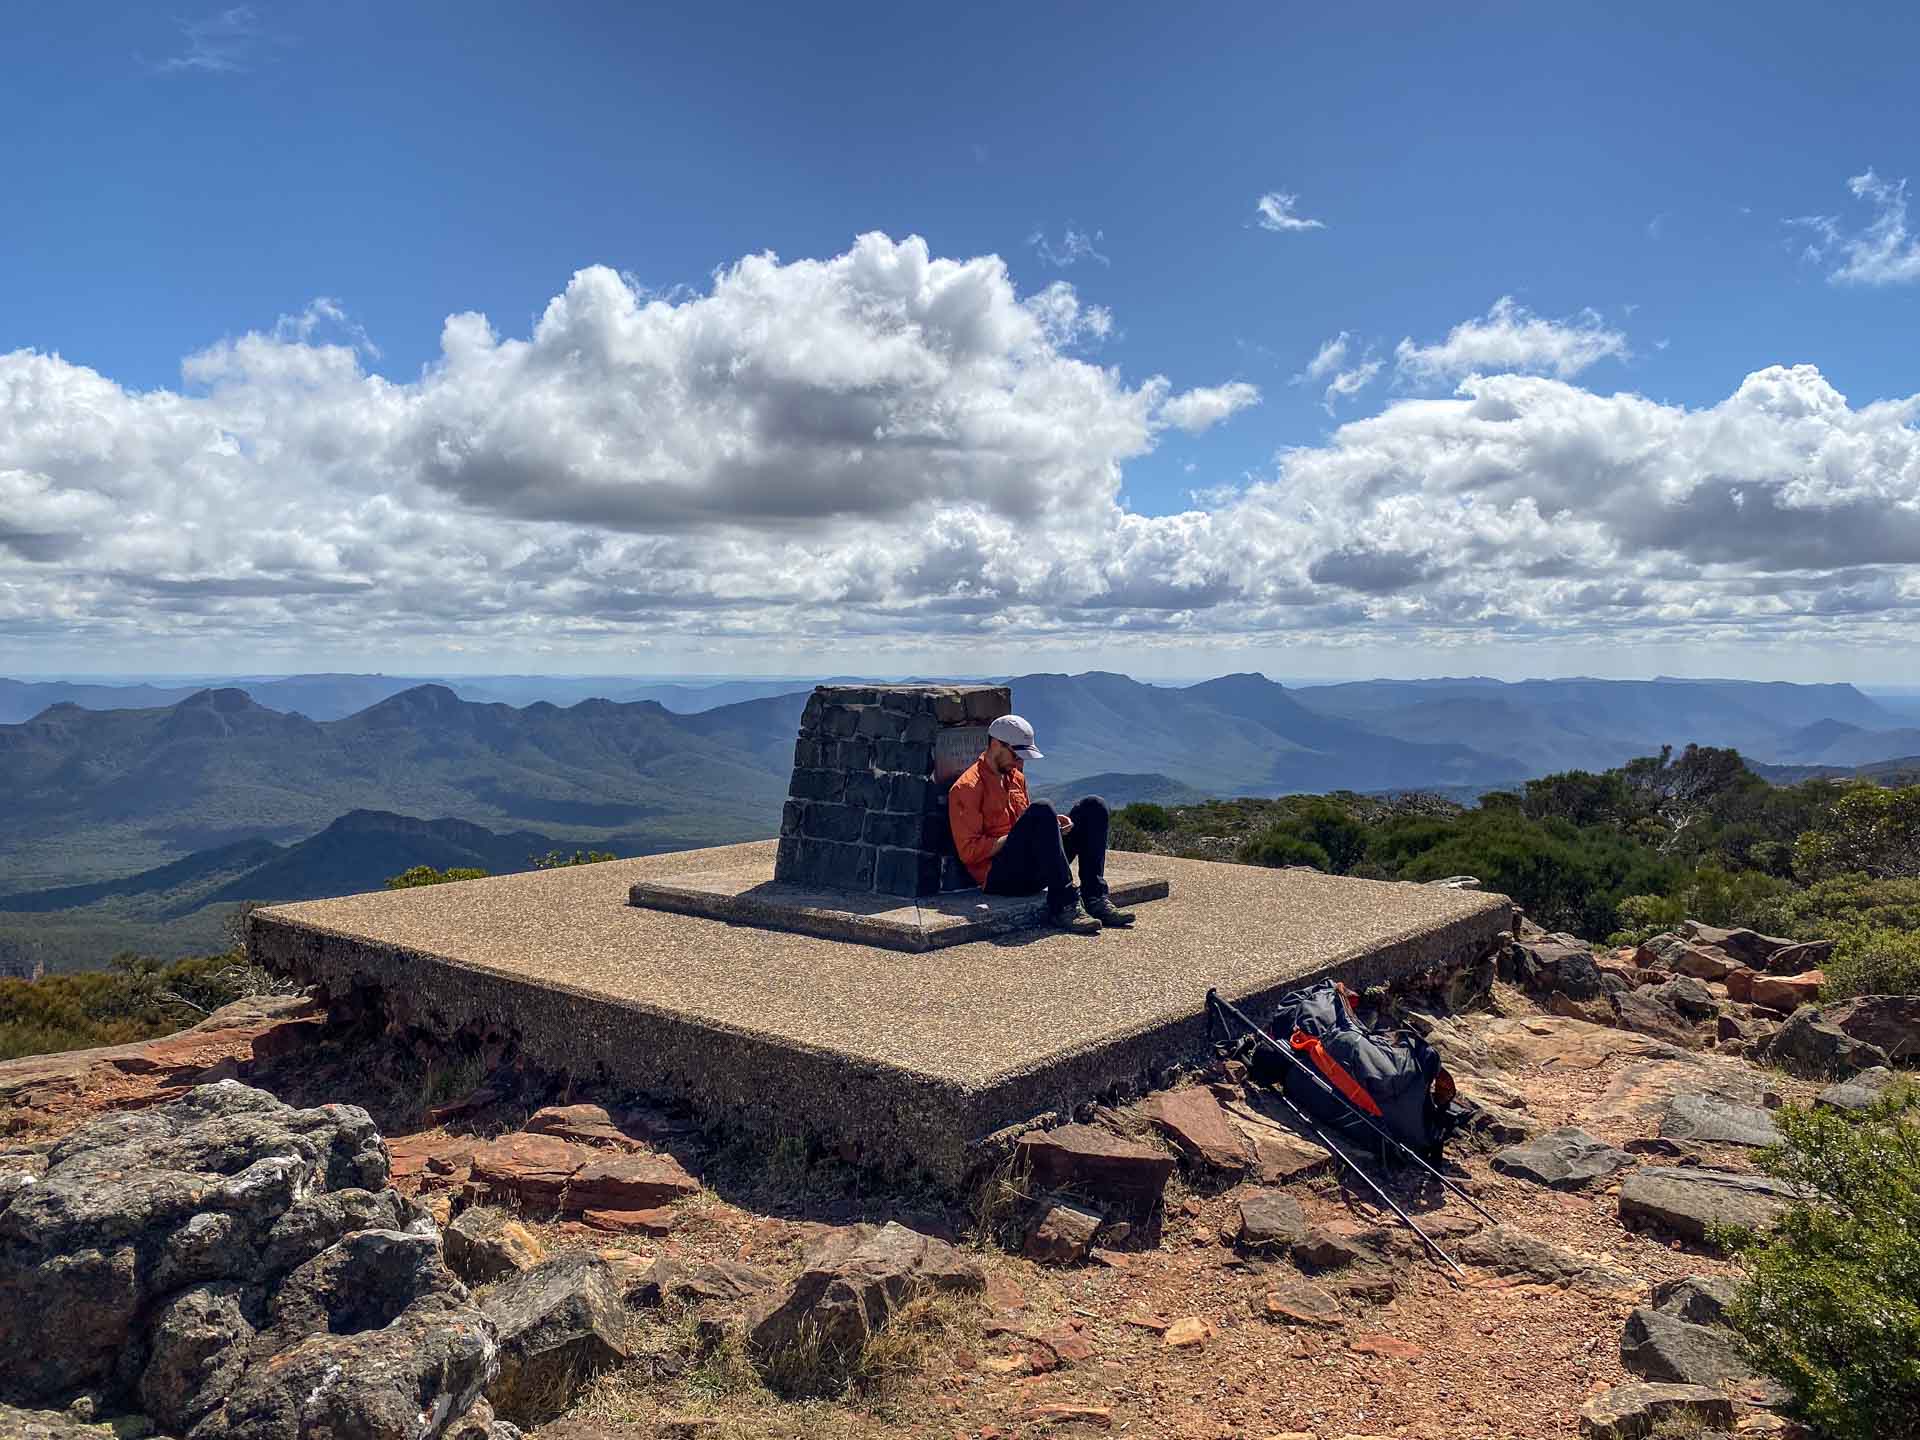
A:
888, 448
1511, 337
1206, 406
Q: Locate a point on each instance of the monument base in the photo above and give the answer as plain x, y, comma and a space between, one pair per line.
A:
910, 1061
739, 891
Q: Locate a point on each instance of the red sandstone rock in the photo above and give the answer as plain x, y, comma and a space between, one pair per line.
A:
1060, 1347
1385, 1346
1740, 985
656, 1221
535, 1168
1062, 1235
432, 1159
1299, 1302
593, 1125
1279, 1158
1184, 1334
1702, 963
1198, 1127
1788, 992
621, 1181
1094, 1162
1003, 1292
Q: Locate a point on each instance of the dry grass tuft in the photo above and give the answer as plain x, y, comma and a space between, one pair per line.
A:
998, 1203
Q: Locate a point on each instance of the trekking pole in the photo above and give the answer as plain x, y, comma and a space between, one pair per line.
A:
1373, 1185
1213, 999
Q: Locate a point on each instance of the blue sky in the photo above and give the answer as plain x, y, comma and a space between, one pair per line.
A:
1666, 200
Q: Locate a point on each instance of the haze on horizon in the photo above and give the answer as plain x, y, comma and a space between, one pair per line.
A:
1166, 344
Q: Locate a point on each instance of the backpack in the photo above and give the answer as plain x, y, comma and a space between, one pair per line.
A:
1393, 1077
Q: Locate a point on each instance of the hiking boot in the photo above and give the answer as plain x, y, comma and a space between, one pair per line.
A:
1072, 919
1104, 910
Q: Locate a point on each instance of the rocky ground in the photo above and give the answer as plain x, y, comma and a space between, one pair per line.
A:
282, 1223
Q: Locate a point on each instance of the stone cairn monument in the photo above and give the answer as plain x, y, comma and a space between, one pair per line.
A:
867, 807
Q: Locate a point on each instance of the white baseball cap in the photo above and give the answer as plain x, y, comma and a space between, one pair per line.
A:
1012, 730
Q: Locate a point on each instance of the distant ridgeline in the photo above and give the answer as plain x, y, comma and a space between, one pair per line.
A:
138, 827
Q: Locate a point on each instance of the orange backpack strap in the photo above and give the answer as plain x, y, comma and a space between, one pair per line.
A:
1336, 1073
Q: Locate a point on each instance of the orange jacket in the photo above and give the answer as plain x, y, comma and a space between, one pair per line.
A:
981, 807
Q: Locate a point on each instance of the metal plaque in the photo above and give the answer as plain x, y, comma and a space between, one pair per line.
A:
955, 748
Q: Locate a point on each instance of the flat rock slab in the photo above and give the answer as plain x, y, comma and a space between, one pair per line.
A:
1627, 1412
1097, 1162
1565, 1159
1269, 1220
915, 1061
1294, 1301
1512, 1253
1713, 1120
1689, 1201
1193, 1120
743, 894
1556, 1042
1656, 1346
1862, 1092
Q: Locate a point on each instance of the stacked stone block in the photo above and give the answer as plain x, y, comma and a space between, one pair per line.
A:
867, 807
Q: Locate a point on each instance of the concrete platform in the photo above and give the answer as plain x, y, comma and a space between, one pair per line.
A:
917, 1059
738, 891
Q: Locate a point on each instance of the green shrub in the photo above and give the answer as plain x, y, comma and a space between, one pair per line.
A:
1730, 897
1867, 831
1829, 908
1567, 877
1641, 917
1831, 1303
427, 875
1869, 961
135, 998
1281, 846
552, 860
1147, 816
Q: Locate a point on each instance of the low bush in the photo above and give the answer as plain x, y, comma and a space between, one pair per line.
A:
427, 875
136, 998
1279, 847
1830, 908
1831, 1303
1147, 816
1874, 961
552, 860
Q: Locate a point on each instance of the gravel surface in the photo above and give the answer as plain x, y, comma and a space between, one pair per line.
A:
969, 1014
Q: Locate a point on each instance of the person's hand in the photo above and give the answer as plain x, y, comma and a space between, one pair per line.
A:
998, 846
1066, 823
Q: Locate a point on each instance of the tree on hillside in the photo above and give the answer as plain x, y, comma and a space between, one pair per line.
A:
1318, 832
1679, 794
1867, 831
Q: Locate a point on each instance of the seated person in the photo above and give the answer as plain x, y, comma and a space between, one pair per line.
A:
1015, 847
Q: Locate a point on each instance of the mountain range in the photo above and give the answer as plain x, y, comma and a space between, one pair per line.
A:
218, 796
334, 697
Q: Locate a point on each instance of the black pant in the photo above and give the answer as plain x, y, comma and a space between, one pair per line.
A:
1036, 854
